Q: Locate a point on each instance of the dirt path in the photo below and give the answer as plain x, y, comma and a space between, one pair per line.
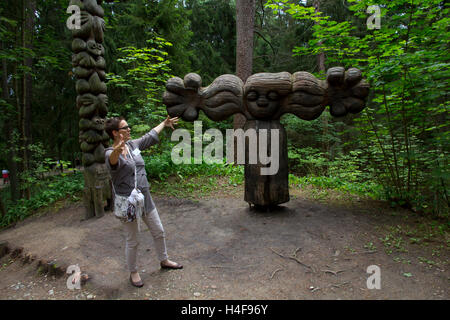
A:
304, 250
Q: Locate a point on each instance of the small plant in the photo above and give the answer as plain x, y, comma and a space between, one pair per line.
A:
370, 246
407, 274
350, 249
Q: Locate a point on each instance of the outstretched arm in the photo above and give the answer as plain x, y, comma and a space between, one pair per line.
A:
151, 138
168, 122
344, 91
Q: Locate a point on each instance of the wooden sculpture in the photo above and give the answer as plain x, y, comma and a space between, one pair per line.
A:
263, 99
92, 102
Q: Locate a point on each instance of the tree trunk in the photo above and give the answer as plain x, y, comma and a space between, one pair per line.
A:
2, 209
321, 55
322, 70
8, 133
245, 18
28, 14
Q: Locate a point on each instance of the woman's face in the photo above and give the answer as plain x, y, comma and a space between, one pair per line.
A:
124, 130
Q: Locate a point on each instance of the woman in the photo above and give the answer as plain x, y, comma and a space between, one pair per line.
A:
122, 159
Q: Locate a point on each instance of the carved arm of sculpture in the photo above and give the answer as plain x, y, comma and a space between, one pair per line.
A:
343, 91
221, 99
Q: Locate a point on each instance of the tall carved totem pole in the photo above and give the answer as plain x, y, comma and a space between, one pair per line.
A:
263, 99
92, 103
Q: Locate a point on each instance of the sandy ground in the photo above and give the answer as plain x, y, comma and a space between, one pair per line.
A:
302, 250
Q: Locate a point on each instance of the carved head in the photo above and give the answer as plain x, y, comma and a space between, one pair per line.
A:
264, 93
98, 123
92, 6
95, 49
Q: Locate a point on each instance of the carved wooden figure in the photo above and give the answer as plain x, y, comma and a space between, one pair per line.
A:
92, 102
263, 99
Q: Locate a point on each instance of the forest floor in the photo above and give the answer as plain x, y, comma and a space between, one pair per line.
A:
317, 246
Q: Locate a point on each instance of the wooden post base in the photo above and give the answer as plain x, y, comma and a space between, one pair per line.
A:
267, 190
97, 189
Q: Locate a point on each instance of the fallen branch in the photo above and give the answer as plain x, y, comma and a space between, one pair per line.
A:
221, 266
333, 272
338, 285
365, 252
312, 289
293, 258
273, 273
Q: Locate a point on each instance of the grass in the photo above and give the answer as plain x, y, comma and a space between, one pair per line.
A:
198, 187
370, 190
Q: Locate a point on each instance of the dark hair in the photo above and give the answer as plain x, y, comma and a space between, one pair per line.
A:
112, 124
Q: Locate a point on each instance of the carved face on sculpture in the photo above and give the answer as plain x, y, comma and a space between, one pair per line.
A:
98, 123
95, 49
265, 92
262, 102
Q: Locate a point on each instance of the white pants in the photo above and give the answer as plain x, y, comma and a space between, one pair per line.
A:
154, 224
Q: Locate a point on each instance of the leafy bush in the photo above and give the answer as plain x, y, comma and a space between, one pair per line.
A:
404, 131
44, 193
372, 190
160, 166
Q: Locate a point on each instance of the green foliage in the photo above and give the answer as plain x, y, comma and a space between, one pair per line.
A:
160, 166
401, 140
45, 192
213, 41
371, 190
404, 131
131, 23
147, 69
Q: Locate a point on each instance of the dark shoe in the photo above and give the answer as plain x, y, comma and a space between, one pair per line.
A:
176, 266
138, 284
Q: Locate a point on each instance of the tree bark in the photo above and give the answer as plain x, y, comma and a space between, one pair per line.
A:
11, 148
245, 19
322, 70
28, 14
321, 55
2, 209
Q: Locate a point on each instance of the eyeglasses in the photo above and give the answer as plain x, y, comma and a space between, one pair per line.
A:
124, 128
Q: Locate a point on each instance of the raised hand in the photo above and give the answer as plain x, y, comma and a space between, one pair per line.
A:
346, 91
121, 146
170, 122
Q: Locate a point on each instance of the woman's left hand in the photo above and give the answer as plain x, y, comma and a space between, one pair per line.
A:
170, 122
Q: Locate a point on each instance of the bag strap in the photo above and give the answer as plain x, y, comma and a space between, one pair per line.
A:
135, 172
138, 216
